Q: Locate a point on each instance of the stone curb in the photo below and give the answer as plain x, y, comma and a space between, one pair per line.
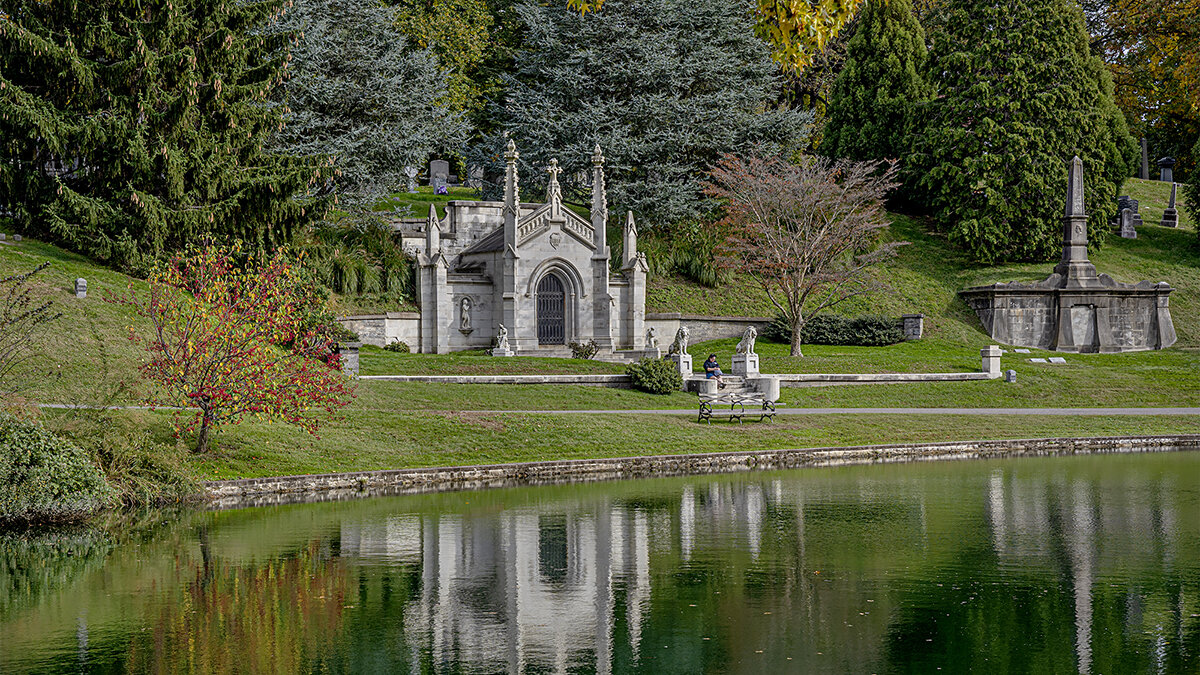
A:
620, 380
341, 486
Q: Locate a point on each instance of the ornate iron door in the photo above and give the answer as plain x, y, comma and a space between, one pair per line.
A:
551, 311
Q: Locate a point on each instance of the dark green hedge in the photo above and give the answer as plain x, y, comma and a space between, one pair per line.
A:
45, 477
656, 376
835, 329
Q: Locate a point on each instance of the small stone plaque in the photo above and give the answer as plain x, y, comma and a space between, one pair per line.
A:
1037, 360
1057, 359
1022, 351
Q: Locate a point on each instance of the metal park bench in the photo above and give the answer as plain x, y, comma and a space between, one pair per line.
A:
737, 406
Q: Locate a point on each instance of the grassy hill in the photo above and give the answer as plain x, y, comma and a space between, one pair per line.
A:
87, 359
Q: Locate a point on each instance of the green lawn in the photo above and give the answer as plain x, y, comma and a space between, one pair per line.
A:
369, 440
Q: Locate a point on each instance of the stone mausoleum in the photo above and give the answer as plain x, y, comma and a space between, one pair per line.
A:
537, 273
1076, 309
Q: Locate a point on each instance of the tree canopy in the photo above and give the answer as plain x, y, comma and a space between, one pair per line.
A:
130, 128
1019, 94
691, 82
359, 94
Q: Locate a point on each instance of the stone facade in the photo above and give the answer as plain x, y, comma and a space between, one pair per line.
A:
1076, 309
539, 269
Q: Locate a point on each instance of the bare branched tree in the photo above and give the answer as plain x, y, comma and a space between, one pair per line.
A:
22, 319
807, 233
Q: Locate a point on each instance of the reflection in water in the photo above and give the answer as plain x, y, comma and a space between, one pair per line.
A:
1084, 564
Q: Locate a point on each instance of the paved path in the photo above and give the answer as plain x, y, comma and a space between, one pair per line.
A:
781, 411
883, 411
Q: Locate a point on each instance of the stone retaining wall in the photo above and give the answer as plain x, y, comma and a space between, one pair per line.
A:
702, 328
343, 486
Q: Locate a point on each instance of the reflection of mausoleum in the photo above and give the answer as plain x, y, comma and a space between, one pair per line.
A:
540, 270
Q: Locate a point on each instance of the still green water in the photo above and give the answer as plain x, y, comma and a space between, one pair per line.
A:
1040, 565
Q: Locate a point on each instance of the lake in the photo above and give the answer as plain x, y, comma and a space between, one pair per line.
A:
1084, 564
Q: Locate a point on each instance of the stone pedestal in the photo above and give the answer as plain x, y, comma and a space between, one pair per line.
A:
991, 360
701, 385
683, 362
503, 351
348, 354
745, 365
767, 386
914, 326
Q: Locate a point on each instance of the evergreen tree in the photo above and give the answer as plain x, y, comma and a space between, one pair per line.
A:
1018, 95
359, 94
133, 126
875, 98
664, 86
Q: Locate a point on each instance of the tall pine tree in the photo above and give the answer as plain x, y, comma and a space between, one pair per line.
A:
1191, 193
1018, 95
360, 94
875, 98
130, 127
665, 87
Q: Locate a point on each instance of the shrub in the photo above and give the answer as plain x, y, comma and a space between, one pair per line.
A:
584, 350
44, 477
655, 376
398, 346
835, 329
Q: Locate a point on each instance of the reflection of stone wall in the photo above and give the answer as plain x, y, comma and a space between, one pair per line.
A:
1106, 320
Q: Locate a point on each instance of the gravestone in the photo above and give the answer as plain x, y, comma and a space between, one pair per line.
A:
1057, 359
3, 236
1145, 173
914, 326
1010, 375
1171, 214
81, 287
1037, 360
1128, 231
1166, 167
439, 169
475, 177
1127, 202
410, 172
16, 237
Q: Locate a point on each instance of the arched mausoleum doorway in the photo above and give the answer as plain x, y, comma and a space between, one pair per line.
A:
551, 311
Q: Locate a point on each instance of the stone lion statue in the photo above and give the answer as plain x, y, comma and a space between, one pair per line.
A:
746, 346
680, 345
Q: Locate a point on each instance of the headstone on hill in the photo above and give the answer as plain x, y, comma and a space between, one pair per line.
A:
1166, 169
1128, 231
81, 288
439, 169
914, 326
1171, 214
1145, 173
1127, 202
410, 172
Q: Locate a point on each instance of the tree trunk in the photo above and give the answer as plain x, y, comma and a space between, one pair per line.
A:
205, 427
796, 328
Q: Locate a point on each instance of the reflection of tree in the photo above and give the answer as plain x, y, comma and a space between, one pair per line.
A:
34, 564
274, 616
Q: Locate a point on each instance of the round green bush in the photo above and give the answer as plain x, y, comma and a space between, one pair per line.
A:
44, 477
655, 376
398, 346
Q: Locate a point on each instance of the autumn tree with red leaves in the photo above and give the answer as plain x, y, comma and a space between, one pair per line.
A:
229, 340
808, 233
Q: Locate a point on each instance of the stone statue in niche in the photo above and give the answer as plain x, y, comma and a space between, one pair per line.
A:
464, 315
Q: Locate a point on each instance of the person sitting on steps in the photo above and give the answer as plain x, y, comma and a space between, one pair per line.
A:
712, 370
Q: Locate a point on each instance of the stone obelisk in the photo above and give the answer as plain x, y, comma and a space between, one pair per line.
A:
1076, 270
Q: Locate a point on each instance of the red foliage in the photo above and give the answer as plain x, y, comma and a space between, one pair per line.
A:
230, 340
